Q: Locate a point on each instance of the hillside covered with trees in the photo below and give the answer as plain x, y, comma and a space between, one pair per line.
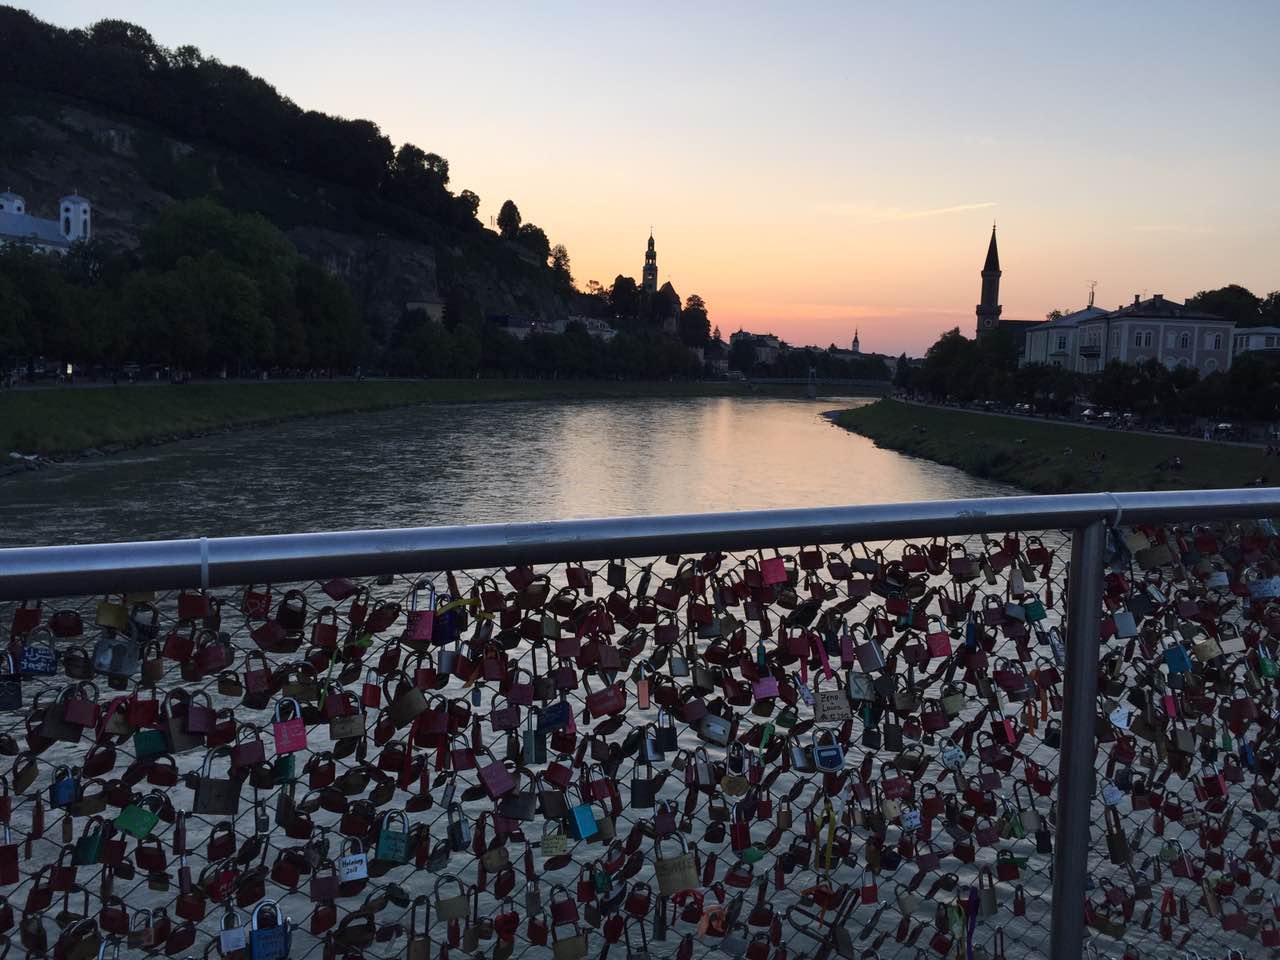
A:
238, 231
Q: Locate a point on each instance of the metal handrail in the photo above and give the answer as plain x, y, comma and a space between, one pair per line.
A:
28, 572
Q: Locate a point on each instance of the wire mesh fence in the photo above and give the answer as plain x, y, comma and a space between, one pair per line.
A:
842, 749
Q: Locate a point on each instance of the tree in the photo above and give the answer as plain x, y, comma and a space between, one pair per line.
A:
13, 320
1055, 314
509, 220
469, 202
742, 355
560, 275
1232, 302
695, 327
902, 376
532, 238
624, 298
1270, 309
715, 334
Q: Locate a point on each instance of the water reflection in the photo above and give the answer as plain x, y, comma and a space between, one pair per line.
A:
476, 463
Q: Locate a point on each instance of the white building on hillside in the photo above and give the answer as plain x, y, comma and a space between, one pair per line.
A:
74, 223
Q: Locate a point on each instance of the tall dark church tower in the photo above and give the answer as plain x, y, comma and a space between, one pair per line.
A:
649, 279
989, 308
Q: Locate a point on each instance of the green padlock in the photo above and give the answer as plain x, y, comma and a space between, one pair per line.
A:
602, 880
1267, 666
149, 744
752, 854
788, 717
87, 848
393, 845
284, 769
138, 821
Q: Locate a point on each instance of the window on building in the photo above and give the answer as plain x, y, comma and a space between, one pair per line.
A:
1217, 342
1184, 341
1062, 343
1210, 365
1146, 339
1271, 341
66, 224
1115, 338
1137, 338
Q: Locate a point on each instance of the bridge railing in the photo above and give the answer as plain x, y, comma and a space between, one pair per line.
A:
1014, 725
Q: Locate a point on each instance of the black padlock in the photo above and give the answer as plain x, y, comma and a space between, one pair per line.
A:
1044, 839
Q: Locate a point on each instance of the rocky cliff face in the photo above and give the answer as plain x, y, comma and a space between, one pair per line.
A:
49, 148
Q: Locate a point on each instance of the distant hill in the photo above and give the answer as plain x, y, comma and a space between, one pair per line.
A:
133, 125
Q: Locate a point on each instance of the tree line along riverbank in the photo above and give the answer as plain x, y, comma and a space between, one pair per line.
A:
1048, 457
68, 421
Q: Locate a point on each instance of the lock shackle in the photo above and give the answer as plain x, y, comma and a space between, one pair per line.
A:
280, 703
274, 906
114, 944
394, 815
231, 919
444, 878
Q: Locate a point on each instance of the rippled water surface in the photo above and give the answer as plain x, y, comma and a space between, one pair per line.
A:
471, 463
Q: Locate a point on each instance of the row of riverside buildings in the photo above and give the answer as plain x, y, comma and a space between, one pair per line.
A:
1087, 340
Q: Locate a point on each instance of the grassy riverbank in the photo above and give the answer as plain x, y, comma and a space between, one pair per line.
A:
1049, 457
65, 420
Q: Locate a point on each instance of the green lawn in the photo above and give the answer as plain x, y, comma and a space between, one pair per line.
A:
66, 420
1048, 457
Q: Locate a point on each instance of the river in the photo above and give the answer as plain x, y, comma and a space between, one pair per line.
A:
475, 463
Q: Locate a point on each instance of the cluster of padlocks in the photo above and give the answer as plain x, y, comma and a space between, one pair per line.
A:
839, 749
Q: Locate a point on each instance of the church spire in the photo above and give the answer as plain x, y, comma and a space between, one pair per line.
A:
649, 278
989, 309
993, 257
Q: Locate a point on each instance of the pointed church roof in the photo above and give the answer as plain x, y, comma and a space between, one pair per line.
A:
993, 257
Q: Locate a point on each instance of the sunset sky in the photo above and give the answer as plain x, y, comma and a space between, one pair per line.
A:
811, 168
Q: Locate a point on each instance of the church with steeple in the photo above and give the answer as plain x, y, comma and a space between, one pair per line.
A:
661, 303
989, 309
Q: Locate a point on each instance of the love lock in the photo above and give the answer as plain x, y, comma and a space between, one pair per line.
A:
828, 755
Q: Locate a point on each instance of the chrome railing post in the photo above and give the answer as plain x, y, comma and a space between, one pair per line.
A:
1076, 766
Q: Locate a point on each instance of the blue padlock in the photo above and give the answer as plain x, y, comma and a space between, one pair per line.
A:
1177, 659
269, 943
555, 717
65, 789
582, 821
828, 757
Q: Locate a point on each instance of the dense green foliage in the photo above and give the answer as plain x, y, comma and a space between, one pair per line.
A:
207, 291
957, 368
1239, 305
119, 65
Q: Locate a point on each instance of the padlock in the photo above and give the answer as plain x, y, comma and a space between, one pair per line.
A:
828, 754
393, 845
290, 733
677, 873
215, 796
458, 828
269, 942
353, 862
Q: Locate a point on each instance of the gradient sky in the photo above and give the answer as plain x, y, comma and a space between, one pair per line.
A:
809, 168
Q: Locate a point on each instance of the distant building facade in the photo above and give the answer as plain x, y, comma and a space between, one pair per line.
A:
17, 226
766, 346
594, 326
1154, 329
1254, 339
1054, 341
